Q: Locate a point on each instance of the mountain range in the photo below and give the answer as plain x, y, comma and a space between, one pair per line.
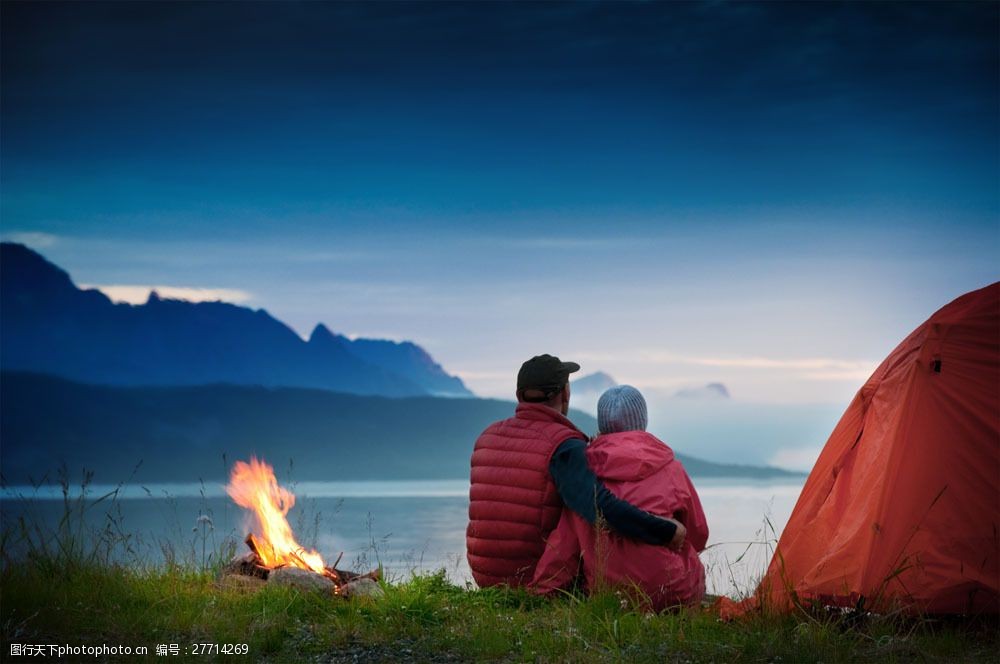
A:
49, 325
182, 433
176, 385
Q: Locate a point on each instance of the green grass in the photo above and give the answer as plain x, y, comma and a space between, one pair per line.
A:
63, 586
427, 618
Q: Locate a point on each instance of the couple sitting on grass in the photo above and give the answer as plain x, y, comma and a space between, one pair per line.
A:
549, 511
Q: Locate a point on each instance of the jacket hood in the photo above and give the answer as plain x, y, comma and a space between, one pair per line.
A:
629, 455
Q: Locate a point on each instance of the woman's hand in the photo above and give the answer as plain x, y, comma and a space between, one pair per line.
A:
678, 539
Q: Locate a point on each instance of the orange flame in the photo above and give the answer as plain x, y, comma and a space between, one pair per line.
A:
254, 487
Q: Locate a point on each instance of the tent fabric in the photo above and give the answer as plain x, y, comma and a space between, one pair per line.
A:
902, 509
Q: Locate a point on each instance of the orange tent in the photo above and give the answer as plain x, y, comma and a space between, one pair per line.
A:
903, 505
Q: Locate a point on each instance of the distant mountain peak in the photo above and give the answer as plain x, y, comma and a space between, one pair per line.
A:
709, 391
321, 333
412, 361
596, 382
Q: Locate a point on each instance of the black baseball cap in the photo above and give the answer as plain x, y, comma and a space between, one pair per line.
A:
544, 372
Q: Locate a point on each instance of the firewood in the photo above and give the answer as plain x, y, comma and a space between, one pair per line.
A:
342, 582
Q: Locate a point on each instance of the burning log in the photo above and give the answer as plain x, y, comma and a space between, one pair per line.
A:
247, 565
251, 562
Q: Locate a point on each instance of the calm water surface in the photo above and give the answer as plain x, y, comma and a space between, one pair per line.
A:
412, 526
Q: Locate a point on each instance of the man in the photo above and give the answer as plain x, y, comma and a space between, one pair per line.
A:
526, 468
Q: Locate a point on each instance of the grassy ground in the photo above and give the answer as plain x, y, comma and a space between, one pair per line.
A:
428, 619
61, 586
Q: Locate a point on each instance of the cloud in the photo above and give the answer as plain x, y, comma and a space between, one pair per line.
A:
345, 256
821, 368
488, 384
757, 378
394, 337
857, 376
795, 458
565, 243
138, 294
485, 375
32, 239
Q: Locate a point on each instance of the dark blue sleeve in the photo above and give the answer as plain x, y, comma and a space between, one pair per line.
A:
586, 495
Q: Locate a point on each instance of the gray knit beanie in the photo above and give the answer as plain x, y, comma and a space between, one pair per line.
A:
622, 408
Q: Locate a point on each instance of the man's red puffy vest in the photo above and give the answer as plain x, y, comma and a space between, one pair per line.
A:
513, 502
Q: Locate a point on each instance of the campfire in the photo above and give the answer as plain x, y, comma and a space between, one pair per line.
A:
275, 555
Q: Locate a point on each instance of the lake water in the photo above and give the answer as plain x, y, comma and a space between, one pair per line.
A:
407, 526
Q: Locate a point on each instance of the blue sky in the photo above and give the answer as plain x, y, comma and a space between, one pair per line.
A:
767, 195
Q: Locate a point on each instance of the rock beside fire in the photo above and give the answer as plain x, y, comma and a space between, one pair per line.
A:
302, 579
241, 583
362, 587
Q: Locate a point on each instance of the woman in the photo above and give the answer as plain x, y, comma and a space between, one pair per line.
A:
640, 468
